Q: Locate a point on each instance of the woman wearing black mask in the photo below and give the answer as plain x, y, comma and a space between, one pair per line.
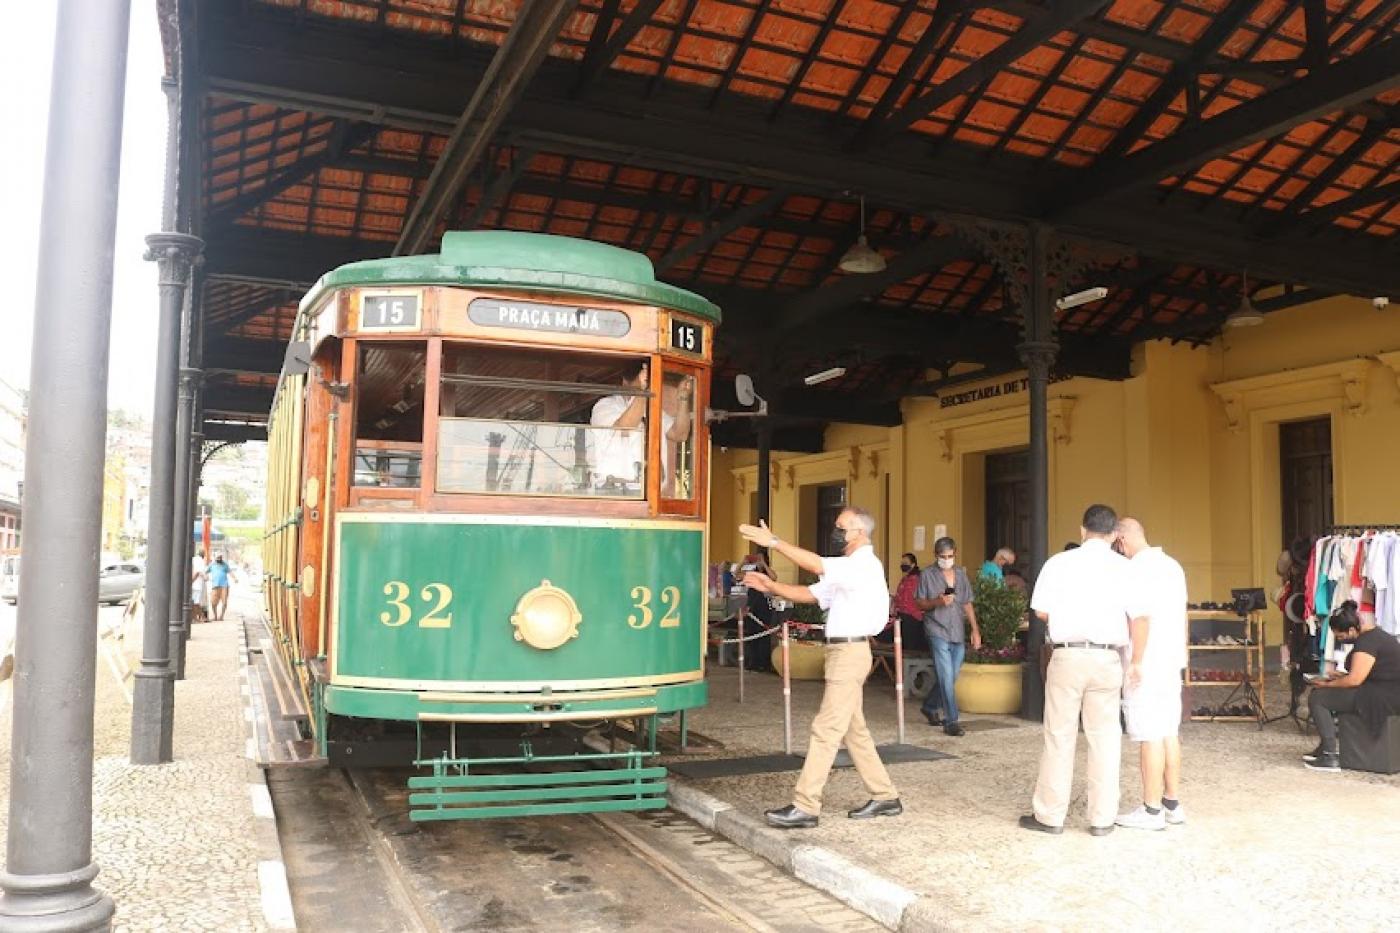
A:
1370, 688
911, 621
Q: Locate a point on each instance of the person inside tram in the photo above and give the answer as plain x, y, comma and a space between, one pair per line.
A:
622, 451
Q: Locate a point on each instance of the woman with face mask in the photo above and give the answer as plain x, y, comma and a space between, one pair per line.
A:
945, 596
911, 617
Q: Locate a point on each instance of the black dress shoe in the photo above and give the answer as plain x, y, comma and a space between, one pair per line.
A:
790, 817
1100, 830
874, 808
934, 719
954, 728
1316, 753
1030, 822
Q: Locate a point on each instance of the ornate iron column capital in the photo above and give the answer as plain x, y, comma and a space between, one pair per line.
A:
176, 254
1038, 353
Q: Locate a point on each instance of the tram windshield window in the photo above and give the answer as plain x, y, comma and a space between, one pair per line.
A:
542, 422
389, 414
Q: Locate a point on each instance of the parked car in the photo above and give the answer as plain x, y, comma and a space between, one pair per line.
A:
117, 582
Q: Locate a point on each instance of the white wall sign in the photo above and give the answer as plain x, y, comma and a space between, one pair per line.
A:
918, 537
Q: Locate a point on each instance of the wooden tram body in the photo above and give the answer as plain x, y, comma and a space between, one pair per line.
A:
455, 572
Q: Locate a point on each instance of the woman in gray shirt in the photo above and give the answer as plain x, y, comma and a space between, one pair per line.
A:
945, 595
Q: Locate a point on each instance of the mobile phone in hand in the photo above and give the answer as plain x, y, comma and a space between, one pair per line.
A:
949, 591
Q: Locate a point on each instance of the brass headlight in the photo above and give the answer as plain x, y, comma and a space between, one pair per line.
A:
546, 617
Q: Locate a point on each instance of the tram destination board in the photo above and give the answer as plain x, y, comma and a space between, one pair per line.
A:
389, 312
554, 319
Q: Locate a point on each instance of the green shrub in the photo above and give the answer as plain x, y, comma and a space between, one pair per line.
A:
1000, 611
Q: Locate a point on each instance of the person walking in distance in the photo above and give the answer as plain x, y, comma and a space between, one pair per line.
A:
852, 590
1085, 596
945, 595
1152, 686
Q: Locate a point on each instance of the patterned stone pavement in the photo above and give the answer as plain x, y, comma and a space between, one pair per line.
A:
1268, 845
176, 843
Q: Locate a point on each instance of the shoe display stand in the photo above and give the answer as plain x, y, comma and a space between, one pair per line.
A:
1245, 638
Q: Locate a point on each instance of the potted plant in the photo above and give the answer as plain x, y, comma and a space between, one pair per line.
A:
990, 681
806, 646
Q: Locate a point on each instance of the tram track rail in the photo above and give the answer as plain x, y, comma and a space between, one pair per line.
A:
356, 861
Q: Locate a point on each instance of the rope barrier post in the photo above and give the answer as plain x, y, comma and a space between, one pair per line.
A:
787, 693
743, 617
899, 677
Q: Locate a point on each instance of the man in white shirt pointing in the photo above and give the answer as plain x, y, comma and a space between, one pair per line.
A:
856, 596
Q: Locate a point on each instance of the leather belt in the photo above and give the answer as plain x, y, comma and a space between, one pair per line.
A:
845, 641
1084, 644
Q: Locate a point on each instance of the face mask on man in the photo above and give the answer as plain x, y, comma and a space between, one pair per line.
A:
947, 563
838, 540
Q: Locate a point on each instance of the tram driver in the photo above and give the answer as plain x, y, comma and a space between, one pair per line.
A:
621, 452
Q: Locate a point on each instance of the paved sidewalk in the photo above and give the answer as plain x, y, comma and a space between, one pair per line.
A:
1268, 845
177, 844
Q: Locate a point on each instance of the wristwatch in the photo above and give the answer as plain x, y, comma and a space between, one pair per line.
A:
775, 542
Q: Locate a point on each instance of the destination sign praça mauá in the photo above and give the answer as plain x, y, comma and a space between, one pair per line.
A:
555, 319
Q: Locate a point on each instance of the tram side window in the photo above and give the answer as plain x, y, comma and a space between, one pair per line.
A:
678, 437
389, 414
542, 422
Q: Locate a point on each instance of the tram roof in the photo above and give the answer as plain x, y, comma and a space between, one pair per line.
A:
1181, 142
530, 262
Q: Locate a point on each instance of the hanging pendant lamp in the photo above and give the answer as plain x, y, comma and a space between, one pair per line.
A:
1246, 315
860, 258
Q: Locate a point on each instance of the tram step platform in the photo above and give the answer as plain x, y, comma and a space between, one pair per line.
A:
452, 792
276, 722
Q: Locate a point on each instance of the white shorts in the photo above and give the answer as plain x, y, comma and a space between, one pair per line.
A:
1153, 710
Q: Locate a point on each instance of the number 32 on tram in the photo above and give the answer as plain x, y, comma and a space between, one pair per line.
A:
488, 485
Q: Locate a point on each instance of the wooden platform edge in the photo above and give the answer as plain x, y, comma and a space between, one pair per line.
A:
273, 736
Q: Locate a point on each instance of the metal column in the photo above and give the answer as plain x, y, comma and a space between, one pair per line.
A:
47, 883
180, 529
1038, 352
153, 707
765, 485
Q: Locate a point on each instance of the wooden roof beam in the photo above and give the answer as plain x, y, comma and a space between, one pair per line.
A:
742, 216
1034, 32
524, 49
1359, 78
932, 254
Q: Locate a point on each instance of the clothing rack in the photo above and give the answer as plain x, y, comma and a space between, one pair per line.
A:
1358, 529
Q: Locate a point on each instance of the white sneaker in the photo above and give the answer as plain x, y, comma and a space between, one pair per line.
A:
1141, 819
1175, 817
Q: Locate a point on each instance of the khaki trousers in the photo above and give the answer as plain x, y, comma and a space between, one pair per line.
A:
840, 718
1088, 680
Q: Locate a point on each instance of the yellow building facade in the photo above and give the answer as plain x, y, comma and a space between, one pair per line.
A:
1193, 445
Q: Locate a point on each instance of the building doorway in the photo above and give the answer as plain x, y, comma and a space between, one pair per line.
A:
1008, 518
1305, 468
831, 502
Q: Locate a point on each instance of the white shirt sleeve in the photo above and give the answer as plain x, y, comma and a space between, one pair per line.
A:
823, 591
607, 410
1046, 591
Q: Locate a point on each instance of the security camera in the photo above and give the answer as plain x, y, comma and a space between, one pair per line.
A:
1380, 302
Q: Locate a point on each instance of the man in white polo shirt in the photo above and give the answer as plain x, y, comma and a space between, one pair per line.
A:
855, 593
1086, 597
1152, 689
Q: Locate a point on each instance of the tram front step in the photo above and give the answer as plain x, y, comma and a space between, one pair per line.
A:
444, 796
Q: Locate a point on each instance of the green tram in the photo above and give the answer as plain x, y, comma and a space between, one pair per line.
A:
488, 484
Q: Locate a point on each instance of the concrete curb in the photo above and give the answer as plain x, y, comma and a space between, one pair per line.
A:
274, 892
886, 902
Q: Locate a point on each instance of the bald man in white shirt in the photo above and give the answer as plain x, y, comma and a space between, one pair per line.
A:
1152, 689
1086, 597
854, 591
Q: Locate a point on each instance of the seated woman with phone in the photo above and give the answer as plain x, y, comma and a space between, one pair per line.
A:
1370, 687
